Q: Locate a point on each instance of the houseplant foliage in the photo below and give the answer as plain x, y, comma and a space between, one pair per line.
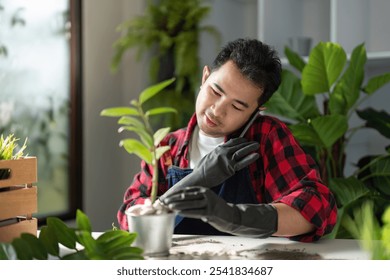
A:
168, 33
134, 118
78, 243
9, 150
373, 236
325, 131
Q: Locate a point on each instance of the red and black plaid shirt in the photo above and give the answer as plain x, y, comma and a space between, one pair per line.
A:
283, 173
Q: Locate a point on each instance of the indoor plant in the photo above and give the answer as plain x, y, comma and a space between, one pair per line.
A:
168, 33
146, 219
18, 192
325, 132
58, 241
373, 235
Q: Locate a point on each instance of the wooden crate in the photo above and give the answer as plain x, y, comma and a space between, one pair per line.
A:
18, 198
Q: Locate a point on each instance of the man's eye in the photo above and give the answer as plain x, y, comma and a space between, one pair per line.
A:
237, 108
215, 92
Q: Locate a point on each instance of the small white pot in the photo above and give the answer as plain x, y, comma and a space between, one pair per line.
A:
154, 232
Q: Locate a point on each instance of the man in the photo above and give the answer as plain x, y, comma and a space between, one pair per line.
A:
261, 184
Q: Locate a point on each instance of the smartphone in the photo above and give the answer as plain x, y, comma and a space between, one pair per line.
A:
251, 120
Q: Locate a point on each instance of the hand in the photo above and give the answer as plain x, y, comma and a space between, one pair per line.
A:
256, 220
224, 161
220, 164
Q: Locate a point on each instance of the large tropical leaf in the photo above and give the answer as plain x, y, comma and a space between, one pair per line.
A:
347, 190
290, 102
379, 120
326, 62
294, 59
376, 83
377, 177
322, 131
347, 89
151, 91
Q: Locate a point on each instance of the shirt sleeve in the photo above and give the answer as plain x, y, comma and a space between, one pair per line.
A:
292, 178
136, 193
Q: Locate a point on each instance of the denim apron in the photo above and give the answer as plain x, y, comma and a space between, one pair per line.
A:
237, 189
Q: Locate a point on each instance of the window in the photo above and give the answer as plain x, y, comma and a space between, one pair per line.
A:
40, 95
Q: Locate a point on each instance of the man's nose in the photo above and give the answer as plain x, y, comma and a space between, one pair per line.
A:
219, 108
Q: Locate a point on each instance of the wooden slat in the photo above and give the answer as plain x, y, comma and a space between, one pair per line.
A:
9, 232
18, 201
23, 171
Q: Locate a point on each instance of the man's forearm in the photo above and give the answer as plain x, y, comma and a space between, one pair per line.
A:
291, 222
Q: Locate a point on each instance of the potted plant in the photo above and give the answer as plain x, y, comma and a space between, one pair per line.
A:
325, 132
168, 32
18, 194
153, 225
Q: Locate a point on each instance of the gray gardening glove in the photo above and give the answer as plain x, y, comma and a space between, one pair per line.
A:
253, 220
220, 164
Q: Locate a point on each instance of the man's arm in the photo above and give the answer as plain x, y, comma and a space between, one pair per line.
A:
291, 222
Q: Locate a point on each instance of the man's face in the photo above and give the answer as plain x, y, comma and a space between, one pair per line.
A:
225, 101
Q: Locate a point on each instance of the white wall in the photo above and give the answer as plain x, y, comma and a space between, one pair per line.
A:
108, 169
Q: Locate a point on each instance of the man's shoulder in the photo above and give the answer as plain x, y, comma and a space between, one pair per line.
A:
270, 122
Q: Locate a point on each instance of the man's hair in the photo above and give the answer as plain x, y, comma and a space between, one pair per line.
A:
256, 61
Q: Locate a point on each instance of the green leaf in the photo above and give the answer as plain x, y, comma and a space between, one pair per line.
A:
65, 235
294, 59
48, 237
289, 100
347, 89
326, 62
306, 135
378, 120
160, 110
153, 90
79, 255
22, 248
379, 176
161, 150
330, 128
119, 112
126, 253
132, 121
90, 244
133, 146
347, 190
38, 249
82, 221
160, 134
322, 131
112, 240
376, 83
7, 252
143, 135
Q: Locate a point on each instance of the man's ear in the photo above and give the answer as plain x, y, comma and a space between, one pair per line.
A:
206, 74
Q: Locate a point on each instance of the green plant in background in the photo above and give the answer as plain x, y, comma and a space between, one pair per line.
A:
373, 236
169, 33
77, 243
136, 119
325, 132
